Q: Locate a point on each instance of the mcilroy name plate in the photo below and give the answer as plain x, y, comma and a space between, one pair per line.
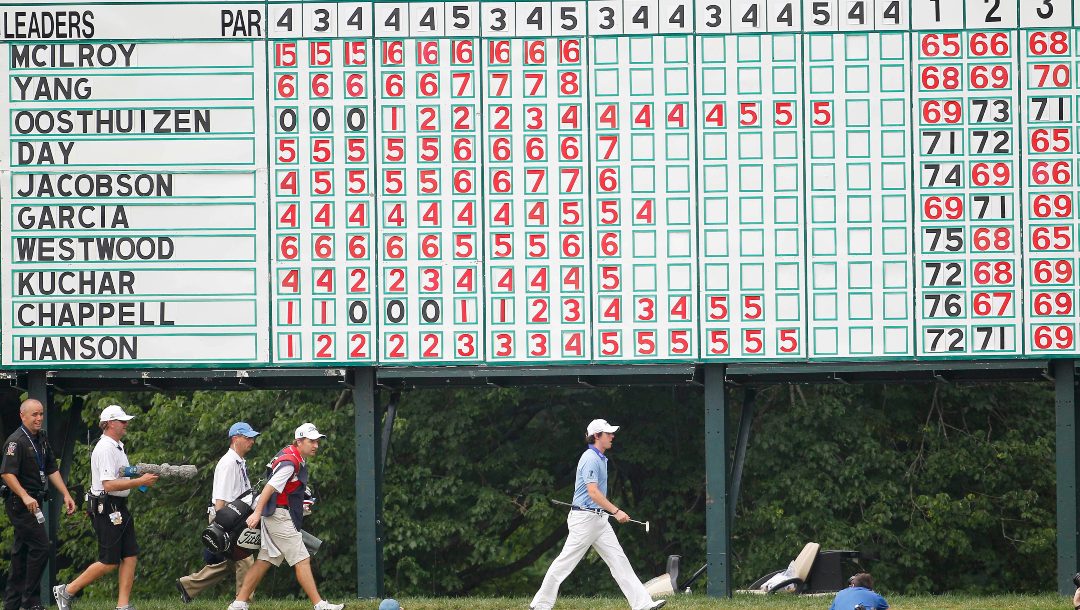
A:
518, 182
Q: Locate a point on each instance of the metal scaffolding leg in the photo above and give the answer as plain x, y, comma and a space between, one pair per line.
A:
369, 560
716, 484
1068, 441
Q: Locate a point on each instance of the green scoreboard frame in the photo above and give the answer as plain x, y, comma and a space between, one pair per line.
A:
282, 184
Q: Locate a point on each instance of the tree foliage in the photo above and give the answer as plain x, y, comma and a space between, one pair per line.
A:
952, 487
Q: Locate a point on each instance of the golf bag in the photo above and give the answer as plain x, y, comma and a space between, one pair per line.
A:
228, 535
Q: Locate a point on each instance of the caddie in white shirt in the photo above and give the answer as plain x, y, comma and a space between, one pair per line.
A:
589, 527
230, 482
112, 521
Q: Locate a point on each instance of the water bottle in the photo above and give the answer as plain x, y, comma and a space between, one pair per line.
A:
39, 515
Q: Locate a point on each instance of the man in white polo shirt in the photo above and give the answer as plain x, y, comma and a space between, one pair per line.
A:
280, 509
589, 527
115, 528
230, 482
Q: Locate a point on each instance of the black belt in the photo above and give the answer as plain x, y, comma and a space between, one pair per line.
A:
111, 499
595, 511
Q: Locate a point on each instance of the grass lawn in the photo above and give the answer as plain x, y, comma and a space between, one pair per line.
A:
691, 602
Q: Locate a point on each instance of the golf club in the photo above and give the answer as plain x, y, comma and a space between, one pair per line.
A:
560, 503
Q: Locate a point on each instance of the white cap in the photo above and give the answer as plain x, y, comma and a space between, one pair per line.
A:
597, 426
308, 431
114, 413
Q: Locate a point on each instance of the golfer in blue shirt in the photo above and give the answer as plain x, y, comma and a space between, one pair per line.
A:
589, 527
860, 593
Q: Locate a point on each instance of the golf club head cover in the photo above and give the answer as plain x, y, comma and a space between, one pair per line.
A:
216, 539
228, 523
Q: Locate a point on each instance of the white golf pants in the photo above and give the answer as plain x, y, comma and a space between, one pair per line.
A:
589, 529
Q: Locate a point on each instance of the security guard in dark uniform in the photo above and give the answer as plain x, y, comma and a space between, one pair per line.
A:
27, 466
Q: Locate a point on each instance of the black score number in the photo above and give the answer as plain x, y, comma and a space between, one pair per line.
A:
945, 340
952, 340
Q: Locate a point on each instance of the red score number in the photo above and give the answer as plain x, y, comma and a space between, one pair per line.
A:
995, 44
985, 304
999, 239
718, 308
461, 52
940, 45
646, 342
286, 86
1053, 337
679, 341
1045, 172
948, 208
718, 342
465, 345
788, 341
1056, 140
998, 273
285, 54
822, 113
1056, 206
752, 343
940, 77
1052, 271
784, 116
319, 53
987, 174
1048, 43
1051, 238
989, 77
942, 111
749, 113
1052, 75
1052, 304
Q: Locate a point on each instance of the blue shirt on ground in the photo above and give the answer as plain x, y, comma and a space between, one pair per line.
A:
591, 468
853, 596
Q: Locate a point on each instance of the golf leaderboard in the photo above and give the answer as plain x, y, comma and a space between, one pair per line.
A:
263, 184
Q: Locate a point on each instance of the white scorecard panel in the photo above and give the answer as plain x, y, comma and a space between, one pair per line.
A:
501, 182
134, 190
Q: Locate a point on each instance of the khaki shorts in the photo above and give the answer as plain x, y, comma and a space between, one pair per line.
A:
283, 534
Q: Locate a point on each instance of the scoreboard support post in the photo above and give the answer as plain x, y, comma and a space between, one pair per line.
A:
60, 436
37, 388
369, 542
717, 530
745, 421
1068, 482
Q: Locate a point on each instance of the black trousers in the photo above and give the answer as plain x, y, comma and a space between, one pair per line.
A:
29, 555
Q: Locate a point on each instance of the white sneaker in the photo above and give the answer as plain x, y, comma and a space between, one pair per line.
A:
657, 604
238, 605
63, 600
325, 605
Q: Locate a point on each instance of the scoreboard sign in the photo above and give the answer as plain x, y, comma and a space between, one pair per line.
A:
512, 182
